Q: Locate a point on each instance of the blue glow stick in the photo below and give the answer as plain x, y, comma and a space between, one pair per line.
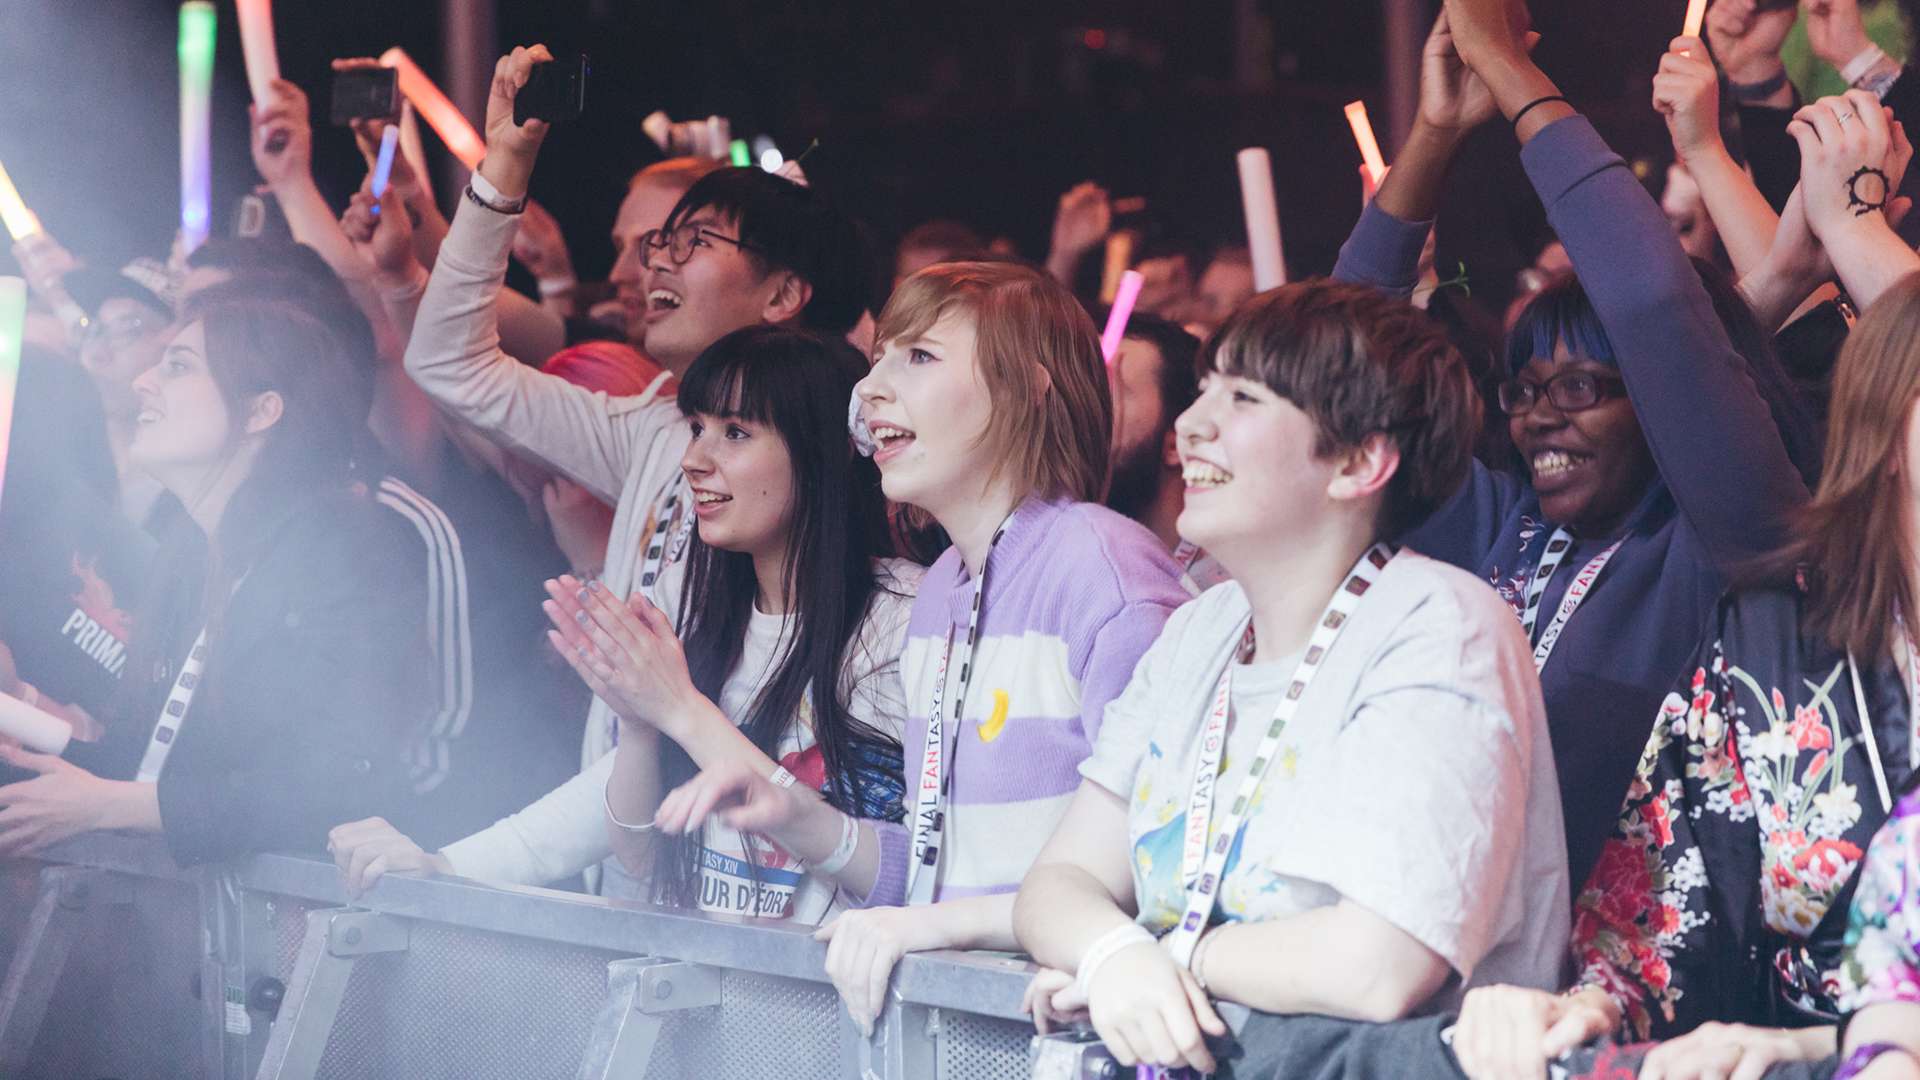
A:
383, 165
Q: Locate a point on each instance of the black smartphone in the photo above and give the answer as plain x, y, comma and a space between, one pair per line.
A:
366, 94
555, 91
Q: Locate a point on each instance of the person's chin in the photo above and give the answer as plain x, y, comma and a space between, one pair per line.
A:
1566, 505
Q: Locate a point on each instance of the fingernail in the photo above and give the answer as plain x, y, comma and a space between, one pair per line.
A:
581, 595
580, 617
593, 584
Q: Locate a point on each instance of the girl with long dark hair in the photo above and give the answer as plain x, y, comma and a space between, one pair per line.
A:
785, 661
283, 650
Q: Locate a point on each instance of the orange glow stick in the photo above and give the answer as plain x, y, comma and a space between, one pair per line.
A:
436, 109
1369, 147
1696, 16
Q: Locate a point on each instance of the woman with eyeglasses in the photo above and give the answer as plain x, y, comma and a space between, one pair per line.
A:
1653, 457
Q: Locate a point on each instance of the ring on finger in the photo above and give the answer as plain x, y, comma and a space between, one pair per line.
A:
1844, 117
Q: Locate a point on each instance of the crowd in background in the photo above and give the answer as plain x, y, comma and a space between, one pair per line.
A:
1510, 689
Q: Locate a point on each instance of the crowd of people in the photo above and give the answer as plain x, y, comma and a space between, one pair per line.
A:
1505, 708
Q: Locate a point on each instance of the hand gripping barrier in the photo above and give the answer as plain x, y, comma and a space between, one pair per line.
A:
119, 964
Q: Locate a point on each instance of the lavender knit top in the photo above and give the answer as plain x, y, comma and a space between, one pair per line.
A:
1075, 595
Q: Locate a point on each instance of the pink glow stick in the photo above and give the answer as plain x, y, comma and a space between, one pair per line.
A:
256, 44
1369, 147
1123, 301
1696, 15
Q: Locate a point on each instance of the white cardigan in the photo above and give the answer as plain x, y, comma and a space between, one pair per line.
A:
625, 450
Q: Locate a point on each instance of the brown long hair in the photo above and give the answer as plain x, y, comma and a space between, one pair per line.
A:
1851, 541
1039, 355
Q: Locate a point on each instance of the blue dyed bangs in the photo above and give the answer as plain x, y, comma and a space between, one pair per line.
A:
1559, 313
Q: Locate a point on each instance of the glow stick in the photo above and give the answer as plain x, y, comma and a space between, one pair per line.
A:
21, 222
37, 731
13, 329
436, 108
741, 155
1696, 15
383, 165
1363, 135
197, 27
256, 44
719, 137
1119, 257
1263, 218
1124, 298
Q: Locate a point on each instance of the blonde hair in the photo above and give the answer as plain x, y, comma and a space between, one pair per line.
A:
1856, 579
1036, 349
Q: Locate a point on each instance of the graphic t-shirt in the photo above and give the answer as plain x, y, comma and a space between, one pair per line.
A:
71, 566
775, 884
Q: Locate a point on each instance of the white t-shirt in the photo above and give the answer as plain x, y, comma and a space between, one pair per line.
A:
1416, 778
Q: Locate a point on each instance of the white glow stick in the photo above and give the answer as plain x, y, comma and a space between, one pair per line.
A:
1696, 15
197, 27
1123, 300
21, 222
13, 330
256, 44
1263, 218
436, 109
37, 731
719, 137
1363, 136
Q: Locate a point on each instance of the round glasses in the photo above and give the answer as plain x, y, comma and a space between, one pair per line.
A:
1569, 391
681, 242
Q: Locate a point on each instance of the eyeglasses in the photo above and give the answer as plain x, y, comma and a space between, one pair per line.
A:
117, 333
1569, 391
681, 242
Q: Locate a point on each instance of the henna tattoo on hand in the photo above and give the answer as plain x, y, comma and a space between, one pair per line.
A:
1867, 191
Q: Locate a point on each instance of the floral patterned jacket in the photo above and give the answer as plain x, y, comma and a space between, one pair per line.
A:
1724, 891
1883, 934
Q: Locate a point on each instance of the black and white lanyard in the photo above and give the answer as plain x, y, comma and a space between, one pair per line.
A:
1557, 548
1867, 736
1201, 865
174, 712
929, 812
666, 543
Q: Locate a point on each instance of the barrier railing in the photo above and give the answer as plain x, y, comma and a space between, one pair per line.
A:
119, 964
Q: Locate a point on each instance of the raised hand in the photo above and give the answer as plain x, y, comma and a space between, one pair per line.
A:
1853, 154
1686, 91
1835, 30
384, 240
1082, 220
541, 247
1452, 97
1488, 32
1747, 40
283, 136
511, 147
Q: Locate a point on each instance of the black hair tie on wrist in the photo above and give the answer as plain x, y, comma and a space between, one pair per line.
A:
1534, 104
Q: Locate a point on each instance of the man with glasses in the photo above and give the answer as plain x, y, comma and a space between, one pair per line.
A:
742, 247
129, 318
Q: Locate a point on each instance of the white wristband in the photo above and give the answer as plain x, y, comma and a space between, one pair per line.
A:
842, 855
1104, 949
781, 777
557, 286
1857, 68
606, 800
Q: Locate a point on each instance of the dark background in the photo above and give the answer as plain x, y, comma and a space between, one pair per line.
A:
981, 110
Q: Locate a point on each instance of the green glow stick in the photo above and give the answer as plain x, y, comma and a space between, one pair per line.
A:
197, 28
741, 155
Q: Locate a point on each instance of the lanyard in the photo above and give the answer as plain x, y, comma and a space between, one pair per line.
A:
174, 713
667, 542
1200, 865
671, 532
929, 813
1557, 548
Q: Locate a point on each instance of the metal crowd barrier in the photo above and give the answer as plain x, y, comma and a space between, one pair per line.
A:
118, 966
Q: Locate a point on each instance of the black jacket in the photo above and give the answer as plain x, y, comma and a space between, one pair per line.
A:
315, 677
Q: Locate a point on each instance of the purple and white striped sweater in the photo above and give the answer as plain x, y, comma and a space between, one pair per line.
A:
1075, 595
